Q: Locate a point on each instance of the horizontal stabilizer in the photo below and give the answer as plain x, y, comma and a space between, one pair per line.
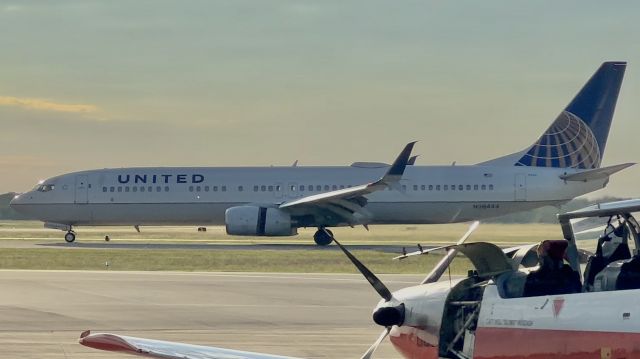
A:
596, 173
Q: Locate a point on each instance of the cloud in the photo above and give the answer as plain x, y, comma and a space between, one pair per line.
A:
44, 105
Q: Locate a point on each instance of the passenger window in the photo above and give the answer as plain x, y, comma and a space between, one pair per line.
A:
446, 187
141, 189
430, 187
293, 188
484, 187
475, 187
255, 188
240, 188
190, 188
468, 187
326, 187
453, 187
198, 188
310, 188
270, 188
318, 188
460, 187
302, 187
119, 188
263, 188
158, 189
166, 188
104, 189
112, 189
126, 189
490, 187
404, 187
423, 187
437, 187
206, 188
223, 188
341, 186
134, 189
215, 188
334, 187
415, 187
150, 189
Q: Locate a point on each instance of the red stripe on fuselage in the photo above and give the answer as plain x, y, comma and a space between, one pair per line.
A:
413, 347
512, 343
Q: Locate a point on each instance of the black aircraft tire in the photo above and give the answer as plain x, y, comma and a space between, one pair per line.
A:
322, 238
70, 237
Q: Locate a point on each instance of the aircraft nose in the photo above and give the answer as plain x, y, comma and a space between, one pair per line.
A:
15, 201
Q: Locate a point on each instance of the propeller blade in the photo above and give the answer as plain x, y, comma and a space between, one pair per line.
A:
376, 283
372, 349
445, 262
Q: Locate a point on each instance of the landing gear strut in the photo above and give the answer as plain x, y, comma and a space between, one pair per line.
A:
323, 237
70, 236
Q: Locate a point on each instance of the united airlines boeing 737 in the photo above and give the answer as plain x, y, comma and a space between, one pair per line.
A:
274, 201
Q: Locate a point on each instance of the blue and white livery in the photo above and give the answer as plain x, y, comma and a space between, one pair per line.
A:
565, 162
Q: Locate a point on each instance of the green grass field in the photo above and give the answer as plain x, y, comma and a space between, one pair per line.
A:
14, 234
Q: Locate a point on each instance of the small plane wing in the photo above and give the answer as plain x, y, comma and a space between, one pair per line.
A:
342, 201
162, 349
596, 173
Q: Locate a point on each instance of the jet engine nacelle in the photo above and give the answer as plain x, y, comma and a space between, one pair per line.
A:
258, 221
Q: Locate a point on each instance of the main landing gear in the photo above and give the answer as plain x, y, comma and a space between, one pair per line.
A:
70, 236
323, 237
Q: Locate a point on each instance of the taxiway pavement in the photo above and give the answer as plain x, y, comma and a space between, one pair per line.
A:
306, 315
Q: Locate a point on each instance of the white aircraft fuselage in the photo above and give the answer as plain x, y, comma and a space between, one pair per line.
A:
563, 163
201, 195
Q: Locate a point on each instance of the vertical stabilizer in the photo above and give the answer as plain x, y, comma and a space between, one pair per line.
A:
578, 136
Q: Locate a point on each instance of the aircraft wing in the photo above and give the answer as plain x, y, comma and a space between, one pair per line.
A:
162, 349
349, 203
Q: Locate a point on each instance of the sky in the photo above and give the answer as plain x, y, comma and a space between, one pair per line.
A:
95, 84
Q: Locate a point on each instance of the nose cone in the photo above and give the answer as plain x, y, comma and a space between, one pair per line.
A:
389, 316
15, 201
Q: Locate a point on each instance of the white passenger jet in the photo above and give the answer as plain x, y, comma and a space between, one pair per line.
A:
274, 201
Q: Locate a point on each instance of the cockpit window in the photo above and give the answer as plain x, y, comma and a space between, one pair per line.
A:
45, 187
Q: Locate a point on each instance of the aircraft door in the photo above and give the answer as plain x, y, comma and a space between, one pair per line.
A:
520, 187
82, 189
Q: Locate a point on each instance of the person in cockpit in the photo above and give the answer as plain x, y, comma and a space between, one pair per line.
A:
553, 276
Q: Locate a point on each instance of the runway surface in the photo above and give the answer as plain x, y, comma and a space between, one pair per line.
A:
238, 247
307, 315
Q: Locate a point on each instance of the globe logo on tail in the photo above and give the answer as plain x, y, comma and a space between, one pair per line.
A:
568, 142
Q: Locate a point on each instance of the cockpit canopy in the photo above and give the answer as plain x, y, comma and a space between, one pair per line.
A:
44, 187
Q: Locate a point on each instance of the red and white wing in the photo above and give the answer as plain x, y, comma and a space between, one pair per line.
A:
162, 349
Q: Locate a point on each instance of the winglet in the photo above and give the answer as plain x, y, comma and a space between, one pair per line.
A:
412, 160
396, 170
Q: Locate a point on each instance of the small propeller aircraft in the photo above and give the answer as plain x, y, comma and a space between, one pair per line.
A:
532, 301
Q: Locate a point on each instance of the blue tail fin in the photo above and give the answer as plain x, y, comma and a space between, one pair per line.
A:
578, 136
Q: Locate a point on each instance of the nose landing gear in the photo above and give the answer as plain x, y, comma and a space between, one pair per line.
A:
323, 237
70, 236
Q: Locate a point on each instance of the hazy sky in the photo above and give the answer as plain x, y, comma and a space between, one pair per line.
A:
88, 84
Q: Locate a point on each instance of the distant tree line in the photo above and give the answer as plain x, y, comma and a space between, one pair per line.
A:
5, 211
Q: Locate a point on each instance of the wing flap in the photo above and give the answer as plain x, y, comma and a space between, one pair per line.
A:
163, 349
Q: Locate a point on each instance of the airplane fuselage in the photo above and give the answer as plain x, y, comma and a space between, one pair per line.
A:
200, 195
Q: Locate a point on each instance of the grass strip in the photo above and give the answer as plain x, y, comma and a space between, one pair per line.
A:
215, 260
